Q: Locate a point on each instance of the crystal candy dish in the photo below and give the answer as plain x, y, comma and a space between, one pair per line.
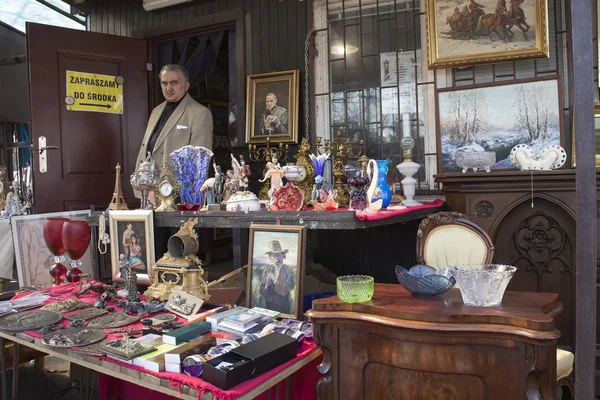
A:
475, 160
482, 285
423, 280
355, 288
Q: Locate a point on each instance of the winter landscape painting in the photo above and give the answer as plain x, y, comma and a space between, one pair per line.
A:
496, 118
467, 32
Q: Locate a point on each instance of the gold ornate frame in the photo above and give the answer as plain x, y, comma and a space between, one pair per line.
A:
299, 273
291, 77
573, 141
541, 49
145, 216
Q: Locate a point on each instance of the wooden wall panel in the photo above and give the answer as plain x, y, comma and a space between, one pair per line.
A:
278, 29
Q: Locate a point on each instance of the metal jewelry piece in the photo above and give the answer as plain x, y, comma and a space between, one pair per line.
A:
73, 337
29, 320
113, 320
65, 306
86, 314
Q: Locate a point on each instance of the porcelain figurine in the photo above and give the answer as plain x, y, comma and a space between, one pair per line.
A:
552, 157
241, 172
230, 187
218, 187
274, 173
379, 194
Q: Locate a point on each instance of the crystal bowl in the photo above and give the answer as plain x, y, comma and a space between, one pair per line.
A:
355, 288
475, 160
482, 285
423, 280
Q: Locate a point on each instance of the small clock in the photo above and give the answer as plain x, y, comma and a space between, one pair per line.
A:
165, 189
301, 174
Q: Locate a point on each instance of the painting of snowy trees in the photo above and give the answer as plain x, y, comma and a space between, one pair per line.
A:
496, 117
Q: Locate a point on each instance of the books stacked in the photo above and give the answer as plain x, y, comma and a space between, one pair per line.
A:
216, 318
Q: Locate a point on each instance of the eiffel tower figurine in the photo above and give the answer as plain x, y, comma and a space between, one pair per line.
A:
117, 202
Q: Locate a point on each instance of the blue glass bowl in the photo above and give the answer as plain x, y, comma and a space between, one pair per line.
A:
423, 280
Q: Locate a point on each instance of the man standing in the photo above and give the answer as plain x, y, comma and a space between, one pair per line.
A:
277, 281
275, 118
179, 121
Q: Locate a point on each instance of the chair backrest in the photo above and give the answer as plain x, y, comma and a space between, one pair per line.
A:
451, 238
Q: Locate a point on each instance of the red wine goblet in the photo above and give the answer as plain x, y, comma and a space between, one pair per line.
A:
76, 236
53, 237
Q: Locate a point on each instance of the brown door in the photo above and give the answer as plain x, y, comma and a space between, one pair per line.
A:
81, 171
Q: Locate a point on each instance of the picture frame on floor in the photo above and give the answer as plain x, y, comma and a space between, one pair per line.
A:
132, 241
276, 257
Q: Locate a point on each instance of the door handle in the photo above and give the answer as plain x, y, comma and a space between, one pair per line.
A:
43, 158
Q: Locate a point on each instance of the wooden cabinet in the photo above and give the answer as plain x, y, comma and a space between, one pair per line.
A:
400, 347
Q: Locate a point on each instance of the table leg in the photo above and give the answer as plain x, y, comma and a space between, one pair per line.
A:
3, 368
15, 388
240, 247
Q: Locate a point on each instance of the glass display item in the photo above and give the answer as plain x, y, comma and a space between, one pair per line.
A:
355, 288
76, 236
379, 188
475, 160
53, 237
191, 165
423, 280
482, 285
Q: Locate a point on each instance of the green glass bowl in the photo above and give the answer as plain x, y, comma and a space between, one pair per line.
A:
355, 288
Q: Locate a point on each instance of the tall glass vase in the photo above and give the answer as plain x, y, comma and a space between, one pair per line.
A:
379, 188
191, 164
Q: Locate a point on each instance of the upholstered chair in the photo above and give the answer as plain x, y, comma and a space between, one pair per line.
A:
451, 238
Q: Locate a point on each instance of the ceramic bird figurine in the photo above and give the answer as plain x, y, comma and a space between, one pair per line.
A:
552, 157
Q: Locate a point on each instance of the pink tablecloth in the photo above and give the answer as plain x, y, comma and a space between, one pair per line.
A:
383, 214
303, 382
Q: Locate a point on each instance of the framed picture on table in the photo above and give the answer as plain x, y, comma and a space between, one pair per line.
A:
132, 241
276, 268
485, 31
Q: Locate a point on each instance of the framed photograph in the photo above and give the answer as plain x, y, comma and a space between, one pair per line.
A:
474, 32
33, 258
276, 257
132, 240
496, 117
272, 107
596, 132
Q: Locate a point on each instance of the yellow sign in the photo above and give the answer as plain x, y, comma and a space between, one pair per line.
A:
94, 92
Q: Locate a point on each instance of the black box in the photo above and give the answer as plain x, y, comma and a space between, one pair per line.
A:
250, 360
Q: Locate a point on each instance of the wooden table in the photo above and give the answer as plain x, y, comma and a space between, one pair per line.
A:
397, 346
128, 374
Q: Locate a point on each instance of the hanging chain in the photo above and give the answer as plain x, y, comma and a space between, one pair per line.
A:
309, 35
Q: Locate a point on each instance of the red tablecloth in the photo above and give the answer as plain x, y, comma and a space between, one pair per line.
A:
303, 381
383, 214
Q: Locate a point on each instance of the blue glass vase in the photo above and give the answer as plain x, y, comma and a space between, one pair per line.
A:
379, 188
191, 164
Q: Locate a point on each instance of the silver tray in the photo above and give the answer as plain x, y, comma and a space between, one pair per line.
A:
73, 337
29, 320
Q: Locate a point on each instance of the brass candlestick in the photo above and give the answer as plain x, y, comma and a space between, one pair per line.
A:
342, 151
266, 154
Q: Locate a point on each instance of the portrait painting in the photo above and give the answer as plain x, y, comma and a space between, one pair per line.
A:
471, 32
131, 243
497, 117
276, 268
272, 107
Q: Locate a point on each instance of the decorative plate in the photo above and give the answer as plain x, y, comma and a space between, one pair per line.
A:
423, 280
65, 306
113, 320
73, 337
288, 197
29, 320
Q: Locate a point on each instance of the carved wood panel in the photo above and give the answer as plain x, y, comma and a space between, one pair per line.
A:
539, 242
